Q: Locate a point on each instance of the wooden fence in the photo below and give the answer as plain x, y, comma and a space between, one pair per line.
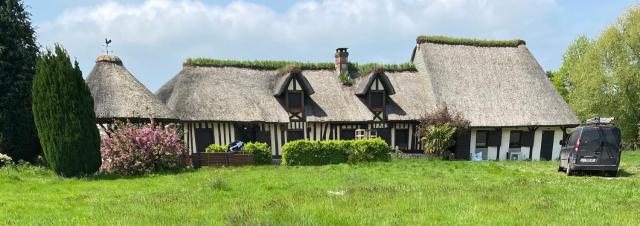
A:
222, 159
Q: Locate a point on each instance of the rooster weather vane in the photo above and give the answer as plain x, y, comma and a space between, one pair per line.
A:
107, 41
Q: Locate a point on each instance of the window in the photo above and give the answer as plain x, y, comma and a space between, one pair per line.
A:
590, 138
574, 137
481, 138
611, 135
376, 100
295, 135
347, 134
204, 138
295, 101
247, 132
384, 134
494, 138
515, 140
402, 138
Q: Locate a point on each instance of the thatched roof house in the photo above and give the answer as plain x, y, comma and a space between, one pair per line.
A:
494, 85
117, 94
515, 112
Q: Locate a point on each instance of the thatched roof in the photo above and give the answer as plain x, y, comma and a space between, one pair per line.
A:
492, 86
223, 94
119, 95
492, 83
201, 93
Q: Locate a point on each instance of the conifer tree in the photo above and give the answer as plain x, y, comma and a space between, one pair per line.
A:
64, 116
18, 54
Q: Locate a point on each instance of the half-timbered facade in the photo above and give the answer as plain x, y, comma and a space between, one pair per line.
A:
515, 112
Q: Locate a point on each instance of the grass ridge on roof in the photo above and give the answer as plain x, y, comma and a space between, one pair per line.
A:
282, 64
439, 39
258, 64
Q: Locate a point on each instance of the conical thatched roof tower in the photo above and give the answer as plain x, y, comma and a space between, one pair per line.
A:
119, 95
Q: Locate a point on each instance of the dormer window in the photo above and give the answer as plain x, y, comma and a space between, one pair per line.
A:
292, 89
374, 88
295, 101
377, 100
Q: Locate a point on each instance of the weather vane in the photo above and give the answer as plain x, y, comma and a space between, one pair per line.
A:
107, 41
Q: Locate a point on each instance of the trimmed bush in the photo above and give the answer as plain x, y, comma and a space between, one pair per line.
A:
370, 150
260, 151
64, 116
334, 151
216, 148
303, 152
134, 149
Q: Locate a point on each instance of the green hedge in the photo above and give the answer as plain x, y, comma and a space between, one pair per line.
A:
216, 148
260, 152
303, 152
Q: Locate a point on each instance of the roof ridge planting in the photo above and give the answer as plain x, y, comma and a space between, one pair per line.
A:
285, 66
439, 39
258, 64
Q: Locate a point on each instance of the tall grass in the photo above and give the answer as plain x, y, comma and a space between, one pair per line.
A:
401, 192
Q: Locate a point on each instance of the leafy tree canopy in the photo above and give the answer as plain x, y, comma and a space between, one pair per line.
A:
601, 77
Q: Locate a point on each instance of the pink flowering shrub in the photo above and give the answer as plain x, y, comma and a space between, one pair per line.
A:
132, 149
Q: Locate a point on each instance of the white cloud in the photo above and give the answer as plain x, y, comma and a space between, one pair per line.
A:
154, 37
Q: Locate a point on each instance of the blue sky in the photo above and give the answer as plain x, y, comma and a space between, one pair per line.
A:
154, 37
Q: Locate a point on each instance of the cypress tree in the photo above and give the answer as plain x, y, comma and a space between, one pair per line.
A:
64, 116
18, 54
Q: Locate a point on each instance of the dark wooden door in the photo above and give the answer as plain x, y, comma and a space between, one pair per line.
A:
463, 142
385, 134
546, 149
204, 138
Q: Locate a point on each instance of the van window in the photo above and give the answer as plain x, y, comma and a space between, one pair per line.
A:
611, 135
574, 137
590, 137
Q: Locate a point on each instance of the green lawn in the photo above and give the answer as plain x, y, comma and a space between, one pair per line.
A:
394, 193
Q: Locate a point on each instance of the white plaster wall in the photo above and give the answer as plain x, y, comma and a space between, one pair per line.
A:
492, 153
524, 152
504, 143
556, 144
537, 143
472, 143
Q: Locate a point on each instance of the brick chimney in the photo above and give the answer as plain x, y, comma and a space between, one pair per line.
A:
342, 60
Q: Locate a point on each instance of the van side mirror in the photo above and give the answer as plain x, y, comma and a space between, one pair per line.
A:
562, 142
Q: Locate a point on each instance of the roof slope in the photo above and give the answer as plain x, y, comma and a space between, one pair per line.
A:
223, 94
492, 86
333, 101
118, 94
204, 93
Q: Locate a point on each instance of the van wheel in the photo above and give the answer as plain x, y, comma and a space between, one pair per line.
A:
570, 172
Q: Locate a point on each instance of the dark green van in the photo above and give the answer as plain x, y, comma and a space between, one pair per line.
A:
591, 148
